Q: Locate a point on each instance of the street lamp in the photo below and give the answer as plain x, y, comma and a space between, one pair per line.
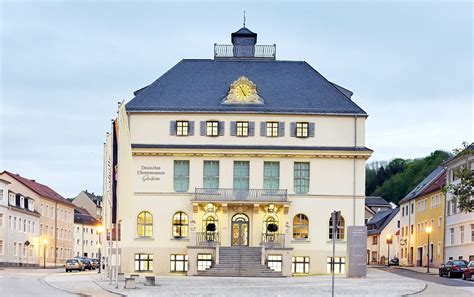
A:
389, 241
100, 229
428, 231
45, 242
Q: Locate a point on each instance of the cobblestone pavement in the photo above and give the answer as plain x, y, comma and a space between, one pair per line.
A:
377, 283
80, 283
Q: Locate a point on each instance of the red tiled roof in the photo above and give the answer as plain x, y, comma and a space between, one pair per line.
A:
40, 189
436, 184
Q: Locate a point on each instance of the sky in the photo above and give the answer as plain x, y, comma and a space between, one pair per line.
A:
66, 64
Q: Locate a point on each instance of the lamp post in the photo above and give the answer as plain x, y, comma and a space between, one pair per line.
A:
45, 242
389, 241
100, 229
428, 231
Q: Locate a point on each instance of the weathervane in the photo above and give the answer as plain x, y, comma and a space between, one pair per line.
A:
244, 18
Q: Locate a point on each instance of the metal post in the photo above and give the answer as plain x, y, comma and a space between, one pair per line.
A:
428, 256
335, 222
388, 253
44, 255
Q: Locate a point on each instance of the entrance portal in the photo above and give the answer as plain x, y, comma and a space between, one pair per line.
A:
240, 229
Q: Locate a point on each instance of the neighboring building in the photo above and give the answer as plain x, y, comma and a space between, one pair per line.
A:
374, 205
240, 151
89, 201
86, 237
411, 253
56, 222
382, 226
429, 208
18, 228
459, 232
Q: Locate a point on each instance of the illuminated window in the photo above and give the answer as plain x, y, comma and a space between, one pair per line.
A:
179, 263
243, 129
145, 224
339, 265
300, 265
339, 228
212, 128
180, 225
302, 130
204, 261
274, 262
272, 129
182, 128
143, 262
300, 226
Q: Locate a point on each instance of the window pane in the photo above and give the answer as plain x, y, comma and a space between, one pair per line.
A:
181, 175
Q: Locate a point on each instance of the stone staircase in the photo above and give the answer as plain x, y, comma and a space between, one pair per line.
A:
240, 261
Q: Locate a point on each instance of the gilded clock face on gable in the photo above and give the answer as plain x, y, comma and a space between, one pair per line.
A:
243, 91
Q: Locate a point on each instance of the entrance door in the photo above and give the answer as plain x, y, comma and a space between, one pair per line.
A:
419, 254
240, 230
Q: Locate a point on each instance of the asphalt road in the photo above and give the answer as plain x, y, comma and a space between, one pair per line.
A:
27, 283
452, 282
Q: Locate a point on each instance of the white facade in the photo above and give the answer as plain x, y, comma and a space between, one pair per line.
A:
459, 229
19, 228
378, 248
86, 241
407, 233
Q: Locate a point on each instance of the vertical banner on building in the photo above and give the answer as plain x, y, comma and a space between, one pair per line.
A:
114, 170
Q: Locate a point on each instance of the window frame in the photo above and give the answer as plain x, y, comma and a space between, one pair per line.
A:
210, 177
182, 128
212, 128
272, 129
341, 264
300, 260
148, 262
204, 261
242, 128
180, 225
144, 228
181, 171
300, 227
271, 181
301, 177
340, 230
174, 261
241, 179
275, 262
302, 130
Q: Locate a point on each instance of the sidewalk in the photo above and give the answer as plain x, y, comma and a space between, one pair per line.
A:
433, 270
80, 283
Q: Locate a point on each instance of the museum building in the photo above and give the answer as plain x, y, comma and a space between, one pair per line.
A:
233, 166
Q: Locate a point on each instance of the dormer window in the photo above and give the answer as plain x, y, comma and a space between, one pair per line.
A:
22, 202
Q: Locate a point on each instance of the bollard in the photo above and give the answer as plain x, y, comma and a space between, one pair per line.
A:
149, 280
121, 276
130, 283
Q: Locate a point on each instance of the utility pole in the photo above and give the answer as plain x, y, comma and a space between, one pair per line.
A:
335, 222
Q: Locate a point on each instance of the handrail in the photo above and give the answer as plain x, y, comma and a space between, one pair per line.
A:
230, 194
245, 51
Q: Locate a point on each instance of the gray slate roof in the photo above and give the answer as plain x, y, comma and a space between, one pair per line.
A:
381, 219
376, 201
285, 87
423, 184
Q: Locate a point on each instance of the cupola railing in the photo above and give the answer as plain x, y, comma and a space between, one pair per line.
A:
226, 51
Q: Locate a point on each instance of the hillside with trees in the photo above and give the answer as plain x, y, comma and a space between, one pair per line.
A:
393, 180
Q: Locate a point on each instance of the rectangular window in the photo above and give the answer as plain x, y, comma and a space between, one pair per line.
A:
339, 265
274, 262
271, 175
411, 229
212, 128
440, 219
438, 248
241, 175
301, 177
211, 175
179, 263
412, 207
374, 239
182, 128
461, 228
302, 129
204, 261
143, 262
242, 129
451, 233
272, 129
300, 265
181, 176
15, 250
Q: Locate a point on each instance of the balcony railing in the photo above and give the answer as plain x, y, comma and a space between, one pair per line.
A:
252, 195
245, 51
273, 239
207, 238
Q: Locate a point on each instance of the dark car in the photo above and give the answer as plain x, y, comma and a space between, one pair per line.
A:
469, 271
453, 268
394, 262
85, 262
95, 263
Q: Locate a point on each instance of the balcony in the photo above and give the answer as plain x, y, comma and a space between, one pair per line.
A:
259, 52
270, 240
208, 238
236, 195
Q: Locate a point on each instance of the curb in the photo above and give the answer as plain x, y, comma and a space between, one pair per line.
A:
407, 269
417, 292
108, 290
42, 280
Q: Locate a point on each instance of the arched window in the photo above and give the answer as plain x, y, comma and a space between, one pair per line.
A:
210, 218
180, 225
339, 228
145, 224
300, 226
267, 220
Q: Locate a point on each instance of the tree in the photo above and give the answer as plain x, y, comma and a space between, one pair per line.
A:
464, 190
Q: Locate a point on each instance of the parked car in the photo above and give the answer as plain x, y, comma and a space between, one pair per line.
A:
85, 262
73, 264
453, 268
394, 262
95, 263
469, 271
